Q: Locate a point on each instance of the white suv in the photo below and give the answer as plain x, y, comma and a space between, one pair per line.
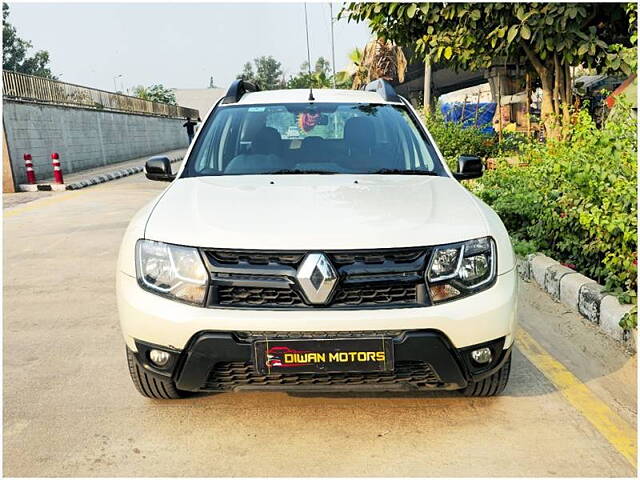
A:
316, 240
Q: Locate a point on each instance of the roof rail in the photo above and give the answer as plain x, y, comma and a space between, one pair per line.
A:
237, 89
384, 89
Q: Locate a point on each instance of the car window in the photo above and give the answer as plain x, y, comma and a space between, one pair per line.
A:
314, 138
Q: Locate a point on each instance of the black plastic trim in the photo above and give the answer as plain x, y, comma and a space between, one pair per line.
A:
142, 355
451, 365
387, 267
478, 372
237, 89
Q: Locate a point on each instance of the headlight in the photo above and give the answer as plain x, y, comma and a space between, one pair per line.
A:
172, 271
461, 269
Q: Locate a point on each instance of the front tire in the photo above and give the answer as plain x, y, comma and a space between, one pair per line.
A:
149, 384
492, 385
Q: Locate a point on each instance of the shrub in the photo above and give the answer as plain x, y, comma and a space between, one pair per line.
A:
577, 199
454, 140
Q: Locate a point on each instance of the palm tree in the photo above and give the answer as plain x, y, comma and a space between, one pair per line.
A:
345, 78
379, 59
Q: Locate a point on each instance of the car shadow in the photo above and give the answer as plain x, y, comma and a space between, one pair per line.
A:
525, 381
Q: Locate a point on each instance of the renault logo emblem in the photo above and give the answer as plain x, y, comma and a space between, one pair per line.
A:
317, 278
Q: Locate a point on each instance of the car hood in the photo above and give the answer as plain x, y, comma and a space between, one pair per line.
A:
315, 212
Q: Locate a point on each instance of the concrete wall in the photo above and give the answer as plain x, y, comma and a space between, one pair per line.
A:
84, 138
7, 173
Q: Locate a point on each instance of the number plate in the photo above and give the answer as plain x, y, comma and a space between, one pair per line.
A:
324, 355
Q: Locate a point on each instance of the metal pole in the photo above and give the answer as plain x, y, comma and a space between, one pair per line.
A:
427, 86
464, 104
333, 50
528, 104
306, 25
499, 110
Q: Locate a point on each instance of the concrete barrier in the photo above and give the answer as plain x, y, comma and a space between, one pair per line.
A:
553, 276
580, 294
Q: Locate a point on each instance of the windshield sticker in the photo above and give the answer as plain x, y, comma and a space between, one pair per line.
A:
306, 121
256, 109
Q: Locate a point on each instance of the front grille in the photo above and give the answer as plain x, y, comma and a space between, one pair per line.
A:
373, 257
255, 335
255, 258
376, 295
263, 297
366, 278
238, 375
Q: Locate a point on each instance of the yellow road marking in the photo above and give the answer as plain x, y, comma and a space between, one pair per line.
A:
10, 212
57, 198
610, 425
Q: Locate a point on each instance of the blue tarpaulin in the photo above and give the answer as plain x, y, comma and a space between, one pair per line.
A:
453, 111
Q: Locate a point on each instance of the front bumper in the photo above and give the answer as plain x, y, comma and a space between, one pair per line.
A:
465, 322
424, 360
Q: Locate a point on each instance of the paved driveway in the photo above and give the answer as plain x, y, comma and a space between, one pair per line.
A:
71, 410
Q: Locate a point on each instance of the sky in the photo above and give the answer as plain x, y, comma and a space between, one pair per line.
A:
179, 45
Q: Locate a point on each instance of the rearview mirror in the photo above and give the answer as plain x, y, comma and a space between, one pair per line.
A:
468, 167
159, 168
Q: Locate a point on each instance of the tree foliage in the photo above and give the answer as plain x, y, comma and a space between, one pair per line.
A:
454, 139
547, 38
319, 77
379, 59
156, 93
346, 77
247, 73
15, 52
267, 73
577, 200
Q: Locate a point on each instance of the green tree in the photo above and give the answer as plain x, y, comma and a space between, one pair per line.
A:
247, 73
322, 65
345, 78
267, 74
155, 93
318, 78
546, 37
380, 58
15, 50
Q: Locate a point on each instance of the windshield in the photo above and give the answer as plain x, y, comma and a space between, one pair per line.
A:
321, 138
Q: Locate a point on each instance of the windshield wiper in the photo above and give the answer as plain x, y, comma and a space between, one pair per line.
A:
297, 171
397, 171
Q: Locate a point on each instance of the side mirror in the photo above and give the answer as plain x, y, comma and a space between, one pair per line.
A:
159, 168
468, 167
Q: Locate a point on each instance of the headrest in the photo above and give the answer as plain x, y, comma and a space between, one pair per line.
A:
266, 141
359, 134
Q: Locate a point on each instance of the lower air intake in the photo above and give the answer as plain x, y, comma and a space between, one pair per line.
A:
241, 375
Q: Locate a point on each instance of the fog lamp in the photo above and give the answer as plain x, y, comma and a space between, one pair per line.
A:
482, 355
159, 358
